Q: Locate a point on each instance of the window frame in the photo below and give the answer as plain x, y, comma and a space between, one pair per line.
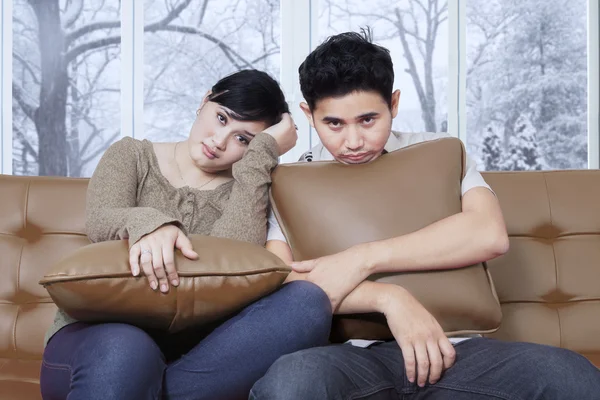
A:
299, 33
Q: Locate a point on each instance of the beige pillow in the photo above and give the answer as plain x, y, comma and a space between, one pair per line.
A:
95, 284
325, 207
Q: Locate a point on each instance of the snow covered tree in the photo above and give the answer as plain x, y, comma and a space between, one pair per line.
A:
491, 153
523, 154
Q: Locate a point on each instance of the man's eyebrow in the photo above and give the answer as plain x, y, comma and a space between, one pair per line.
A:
368, 115
331, 119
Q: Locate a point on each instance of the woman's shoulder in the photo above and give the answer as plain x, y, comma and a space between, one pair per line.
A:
128, 148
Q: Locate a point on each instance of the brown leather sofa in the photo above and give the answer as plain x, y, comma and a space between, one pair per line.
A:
549, 282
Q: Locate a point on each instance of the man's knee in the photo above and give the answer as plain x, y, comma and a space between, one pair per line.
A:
557, 370
305, 374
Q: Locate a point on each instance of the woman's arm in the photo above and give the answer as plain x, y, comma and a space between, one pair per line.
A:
245, 214
111, 210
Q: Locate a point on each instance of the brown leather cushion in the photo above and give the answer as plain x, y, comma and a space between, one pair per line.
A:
325, 207
95, 284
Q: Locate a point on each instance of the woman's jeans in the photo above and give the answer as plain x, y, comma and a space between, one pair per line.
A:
119, 361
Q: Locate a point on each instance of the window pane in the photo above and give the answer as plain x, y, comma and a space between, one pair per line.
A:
65, 117
204, 42
403, 28
527, 84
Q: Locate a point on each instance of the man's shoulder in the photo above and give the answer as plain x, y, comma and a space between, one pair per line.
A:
398, 140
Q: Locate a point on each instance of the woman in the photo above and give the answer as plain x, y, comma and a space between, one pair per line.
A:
155, 194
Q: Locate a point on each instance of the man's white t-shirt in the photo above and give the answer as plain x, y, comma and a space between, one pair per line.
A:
397, 140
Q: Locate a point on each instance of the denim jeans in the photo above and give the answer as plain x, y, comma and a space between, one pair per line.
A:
484, 369
119, 361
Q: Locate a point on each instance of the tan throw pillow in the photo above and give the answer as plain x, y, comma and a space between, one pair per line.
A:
95, 284
325, 207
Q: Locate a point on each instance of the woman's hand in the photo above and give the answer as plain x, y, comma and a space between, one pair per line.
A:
426, 350
285, 133
155, 253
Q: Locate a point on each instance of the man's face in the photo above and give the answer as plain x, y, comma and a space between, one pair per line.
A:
354, 128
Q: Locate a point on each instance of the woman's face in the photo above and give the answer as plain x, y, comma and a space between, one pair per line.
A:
217, 140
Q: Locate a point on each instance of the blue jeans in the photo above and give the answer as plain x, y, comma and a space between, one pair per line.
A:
119, 361
484, 369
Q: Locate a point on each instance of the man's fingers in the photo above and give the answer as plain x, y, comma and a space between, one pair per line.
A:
134, 259
169, 260
303, 266
435, 358
410, 364
422, 363
448, 352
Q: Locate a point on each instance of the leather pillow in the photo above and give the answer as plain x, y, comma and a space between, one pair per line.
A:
95, 284
325, 207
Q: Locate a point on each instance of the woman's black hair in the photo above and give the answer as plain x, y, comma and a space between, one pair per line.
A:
252, 95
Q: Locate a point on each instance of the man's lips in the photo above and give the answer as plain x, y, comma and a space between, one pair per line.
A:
355, 157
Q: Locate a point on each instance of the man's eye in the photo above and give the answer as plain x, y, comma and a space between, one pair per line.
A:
368, 121
335, 124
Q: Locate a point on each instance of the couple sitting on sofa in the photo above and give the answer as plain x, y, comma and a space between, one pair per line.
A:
216, 183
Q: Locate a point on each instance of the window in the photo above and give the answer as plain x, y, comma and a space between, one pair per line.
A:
416, 32
527, 81
517, 81
65, 85
201, 43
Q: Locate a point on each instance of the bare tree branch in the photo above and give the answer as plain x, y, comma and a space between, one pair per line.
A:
27, 67
69, 22
27, 108
222, 45
202, 13
101, 149
28, 147
266, 55
154, 27
84, 30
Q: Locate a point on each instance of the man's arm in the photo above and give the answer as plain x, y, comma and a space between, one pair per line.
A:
366, 298
476, 234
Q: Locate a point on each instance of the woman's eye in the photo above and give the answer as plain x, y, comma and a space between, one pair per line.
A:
222, 119
242, 139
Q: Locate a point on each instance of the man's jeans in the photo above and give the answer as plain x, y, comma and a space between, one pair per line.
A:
484, 369
120, 361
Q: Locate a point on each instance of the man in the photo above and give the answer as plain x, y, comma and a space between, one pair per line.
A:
348, 86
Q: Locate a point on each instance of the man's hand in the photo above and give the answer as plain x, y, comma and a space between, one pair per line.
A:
425, 348
338, 274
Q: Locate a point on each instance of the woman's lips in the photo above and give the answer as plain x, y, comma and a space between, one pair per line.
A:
208, 153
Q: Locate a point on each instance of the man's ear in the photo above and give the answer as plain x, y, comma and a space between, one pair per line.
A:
306, 109
395, 103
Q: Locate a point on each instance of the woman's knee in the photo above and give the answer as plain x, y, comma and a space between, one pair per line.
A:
123, 348
308, 304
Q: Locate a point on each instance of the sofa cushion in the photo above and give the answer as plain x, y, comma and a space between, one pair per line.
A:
95, 284
549, 281
325, 207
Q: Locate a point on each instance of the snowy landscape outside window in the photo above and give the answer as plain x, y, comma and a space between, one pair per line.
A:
527, 84
517, 80
65, 85
205, 40
416, 33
